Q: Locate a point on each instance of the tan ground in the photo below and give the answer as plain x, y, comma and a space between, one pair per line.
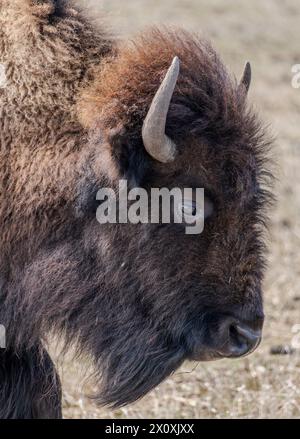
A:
263, 385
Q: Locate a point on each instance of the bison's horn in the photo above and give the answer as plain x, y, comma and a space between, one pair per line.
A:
156, 142
246, 77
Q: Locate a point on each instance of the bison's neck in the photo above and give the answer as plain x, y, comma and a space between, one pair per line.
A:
49, 52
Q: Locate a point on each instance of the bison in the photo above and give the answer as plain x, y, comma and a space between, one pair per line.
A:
81, 110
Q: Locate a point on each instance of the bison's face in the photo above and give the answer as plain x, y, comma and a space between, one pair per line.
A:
165, 295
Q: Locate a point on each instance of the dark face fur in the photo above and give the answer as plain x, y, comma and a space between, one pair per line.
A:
144, 298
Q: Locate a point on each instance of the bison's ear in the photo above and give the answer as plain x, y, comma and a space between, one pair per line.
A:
246, 77
128, 155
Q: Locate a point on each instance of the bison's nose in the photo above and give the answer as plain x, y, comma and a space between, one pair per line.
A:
241, 338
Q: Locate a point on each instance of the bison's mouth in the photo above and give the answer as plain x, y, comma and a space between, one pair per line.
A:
206, 355
213, 355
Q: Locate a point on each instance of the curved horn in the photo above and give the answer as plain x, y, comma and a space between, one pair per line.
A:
246, 77
156, 142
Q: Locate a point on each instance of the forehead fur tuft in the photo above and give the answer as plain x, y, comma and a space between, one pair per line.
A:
207, 101
127, 81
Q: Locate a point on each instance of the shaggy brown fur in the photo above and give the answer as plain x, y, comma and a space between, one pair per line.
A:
70, 122
48, 50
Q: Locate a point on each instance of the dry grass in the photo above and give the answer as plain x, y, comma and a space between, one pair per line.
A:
263, 385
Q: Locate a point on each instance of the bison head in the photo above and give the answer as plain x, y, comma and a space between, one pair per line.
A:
142, 298
164, 295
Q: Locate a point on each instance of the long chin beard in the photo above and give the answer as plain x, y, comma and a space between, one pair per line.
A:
131, 369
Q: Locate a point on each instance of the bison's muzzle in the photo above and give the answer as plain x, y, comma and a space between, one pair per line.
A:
229, 337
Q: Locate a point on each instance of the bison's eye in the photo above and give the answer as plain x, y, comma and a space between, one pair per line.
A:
190, 208
193, 210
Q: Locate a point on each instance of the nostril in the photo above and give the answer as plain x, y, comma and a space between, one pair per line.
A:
236, 339
242, 339
248, 334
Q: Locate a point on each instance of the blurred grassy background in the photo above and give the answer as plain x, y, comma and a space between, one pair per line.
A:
264, 385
